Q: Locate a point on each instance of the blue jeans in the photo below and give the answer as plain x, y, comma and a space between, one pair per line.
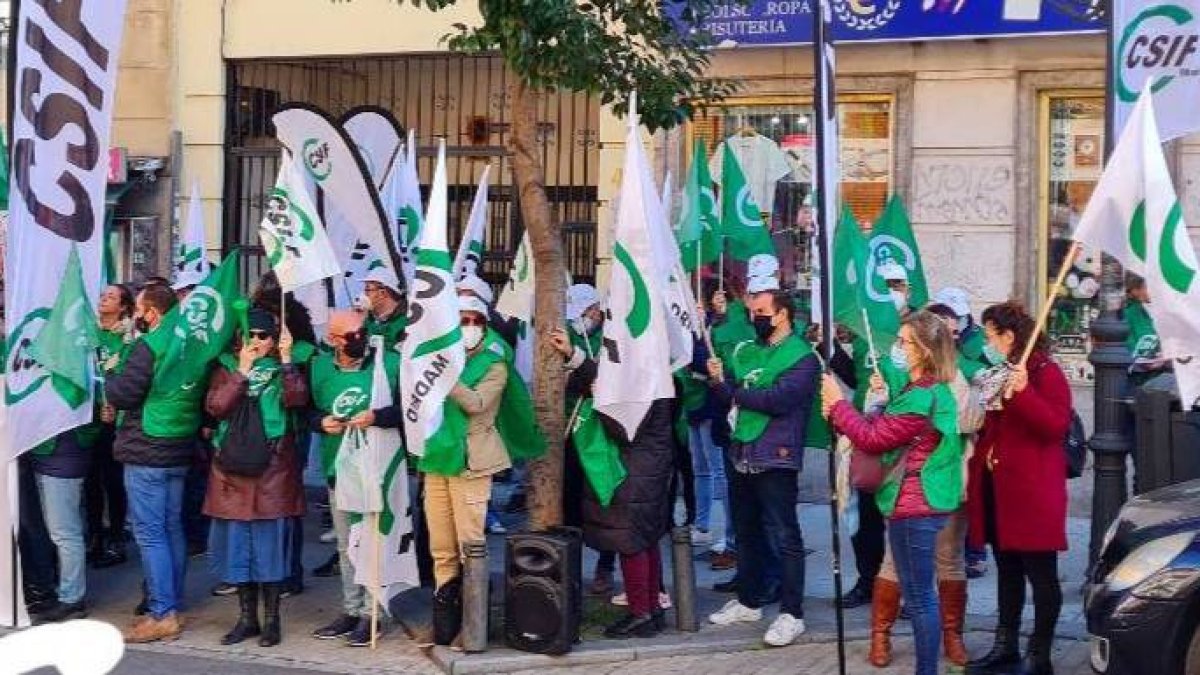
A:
61, 500
155, 503
764, 512
913, 542
708, 468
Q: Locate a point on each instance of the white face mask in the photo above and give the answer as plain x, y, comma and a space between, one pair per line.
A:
472, 336
587, 325
900, 300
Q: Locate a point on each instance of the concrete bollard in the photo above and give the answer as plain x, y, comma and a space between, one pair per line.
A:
685, 579
475, 597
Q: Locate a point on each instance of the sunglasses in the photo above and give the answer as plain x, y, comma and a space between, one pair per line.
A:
260, 335
472, 321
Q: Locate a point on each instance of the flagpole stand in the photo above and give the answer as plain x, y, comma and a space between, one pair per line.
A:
1111, 440
475, 605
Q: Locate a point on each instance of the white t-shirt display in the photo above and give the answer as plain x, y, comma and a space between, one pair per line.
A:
761, 160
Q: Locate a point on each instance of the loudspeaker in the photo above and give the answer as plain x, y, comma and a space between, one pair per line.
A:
543, 590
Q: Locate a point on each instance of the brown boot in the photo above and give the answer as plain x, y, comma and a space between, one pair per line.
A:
149, 629
885, 607
952, 600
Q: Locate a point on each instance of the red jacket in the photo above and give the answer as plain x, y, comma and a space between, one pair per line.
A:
1024, 442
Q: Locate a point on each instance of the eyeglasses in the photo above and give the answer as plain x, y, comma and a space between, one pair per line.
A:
260, 335
472, 321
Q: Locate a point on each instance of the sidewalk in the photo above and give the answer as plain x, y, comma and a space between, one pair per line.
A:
113, 593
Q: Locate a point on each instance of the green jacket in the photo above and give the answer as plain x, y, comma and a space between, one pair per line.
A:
171, 412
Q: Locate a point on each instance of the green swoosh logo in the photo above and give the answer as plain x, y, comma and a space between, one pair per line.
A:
1177, 273
1137, 231
639, 315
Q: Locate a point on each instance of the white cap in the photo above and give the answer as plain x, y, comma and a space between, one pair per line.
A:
579, 298
470, 303
954, 298
762, 265
187, 280
478, 286
385, 276
761, 284
891, 271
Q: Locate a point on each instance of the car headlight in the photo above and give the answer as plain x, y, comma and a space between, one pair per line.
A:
1148, 559
1167, 584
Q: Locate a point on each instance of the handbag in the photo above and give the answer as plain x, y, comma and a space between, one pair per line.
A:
867, 471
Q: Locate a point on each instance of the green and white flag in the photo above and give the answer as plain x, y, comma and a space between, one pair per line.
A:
1135, 216
853, 305
470, 250
385, 464
292, 234
699, 226
676, 284
66, 347
741, 219
892, 240
516, 299
201, 327
432, 355
406, 202
634, 365
190, 264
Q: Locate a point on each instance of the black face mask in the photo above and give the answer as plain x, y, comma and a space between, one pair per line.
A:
356, 347
141, 324
763, 328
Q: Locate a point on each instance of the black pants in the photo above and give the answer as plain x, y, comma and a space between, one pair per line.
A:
764, 510
683, 476
104, 490
868, 541
1040, 569
39, 557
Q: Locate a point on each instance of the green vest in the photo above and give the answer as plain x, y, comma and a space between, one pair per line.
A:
757, 366
392, 329
344, 393
171, 412
942, 475
970, 355
266, 385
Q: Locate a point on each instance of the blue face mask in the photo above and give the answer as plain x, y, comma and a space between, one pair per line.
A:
993, 355
899, 357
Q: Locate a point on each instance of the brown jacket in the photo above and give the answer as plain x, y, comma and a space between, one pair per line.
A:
486, 453
278, 492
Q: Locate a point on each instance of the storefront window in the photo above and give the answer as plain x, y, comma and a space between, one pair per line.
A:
773, 140
1074, 152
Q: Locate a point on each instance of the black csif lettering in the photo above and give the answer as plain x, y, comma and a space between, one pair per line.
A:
68, 15
63, 65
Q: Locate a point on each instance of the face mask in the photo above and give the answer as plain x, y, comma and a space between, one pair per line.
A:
588, 325
472, 336
357, 347
964, 323
899, 357
141, 324
763, 327
993, 355
900, 300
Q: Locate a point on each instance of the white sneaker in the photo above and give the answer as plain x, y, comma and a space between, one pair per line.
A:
735, 612
701, 537
328, 537
664, 601
620, 600
784, 631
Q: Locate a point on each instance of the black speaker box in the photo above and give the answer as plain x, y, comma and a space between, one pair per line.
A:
543, 590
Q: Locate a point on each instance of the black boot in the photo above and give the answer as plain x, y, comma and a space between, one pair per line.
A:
447, 611
270, 633
247, 623
1005, 654
1037, 658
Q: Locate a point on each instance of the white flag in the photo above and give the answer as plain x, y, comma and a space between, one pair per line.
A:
680, 300
376, 137
386, 466
190, 264
472, 246
1135, 216
405, 198
516, 300
1157, 41
432, 355
292, 234
634, 365
66, 63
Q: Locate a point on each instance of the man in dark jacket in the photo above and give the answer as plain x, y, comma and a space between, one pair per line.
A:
771, 383
156, 442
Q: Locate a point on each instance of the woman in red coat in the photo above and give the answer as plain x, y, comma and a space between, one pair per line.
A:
1017, 492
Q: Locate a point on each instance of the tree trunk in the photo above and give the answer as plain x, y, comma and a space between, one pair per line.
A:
545, 236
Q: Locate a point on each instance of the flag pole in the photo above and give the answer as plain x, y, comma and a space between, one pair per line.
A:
377, 543
1044, 313
826, 123
874, 353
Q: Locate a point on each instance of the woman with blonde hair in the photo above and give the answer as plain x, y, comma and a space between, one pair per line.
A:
917, 436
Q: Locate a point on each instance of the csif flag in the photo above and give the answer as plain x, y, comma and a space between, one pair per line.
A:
432, 354
190, 264
741, 219
1156, 41
1135, 216
470, 250
892, 241
633, 370
66, 346
292, 234
516, 300
677, 289
854, 307
698, 229
406, 202
200, 327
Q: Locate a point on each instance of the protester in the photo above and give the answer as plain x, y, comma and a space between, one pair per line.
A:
386, 307
917, 432
156, 442
896, 278
341, 385
1018, 490
104, 487
771, 384
254, 501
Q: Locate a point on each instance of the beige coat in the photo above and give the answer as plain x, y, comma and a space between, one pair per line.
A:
486, 454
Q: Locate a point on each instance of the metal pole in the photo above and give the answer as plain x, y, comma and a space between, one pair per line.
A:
1111, 441
684, 579
475, 597
826, 212
14, 11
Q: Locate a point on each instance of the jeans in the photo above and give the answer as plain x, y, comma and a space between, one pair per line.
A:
708, 466
37, 551
155, 505
764, 512
61, 501
913, 541
948, 562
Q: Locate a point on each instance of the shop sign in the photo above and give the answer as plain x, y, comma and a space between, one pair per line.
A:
1158, 42
118, 165
790, 22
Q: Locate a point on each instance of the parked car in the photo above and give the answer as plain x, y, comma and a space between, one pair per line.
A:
1143, 600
